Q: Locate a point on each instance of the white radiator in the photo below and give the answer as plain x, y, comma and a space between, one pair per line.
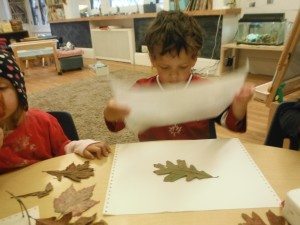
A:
114, 44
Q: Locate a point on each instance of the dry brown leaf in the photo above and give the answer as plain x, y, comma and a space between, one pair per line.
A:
64, 220
84, 220
254, 220
257, 220
180, 170
275, 220
74, 201
101, 222
39, 194
88, 221
74, 172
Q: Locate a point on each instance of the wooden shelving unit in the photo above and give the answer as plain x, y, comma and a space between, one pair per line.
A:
234, 11
56, 10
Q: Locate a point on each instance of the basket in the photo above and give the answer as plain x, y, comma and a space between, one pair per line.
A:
16, 25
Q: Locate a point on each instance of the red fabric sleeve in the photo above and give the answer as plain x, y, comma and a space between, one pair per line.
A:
233, 124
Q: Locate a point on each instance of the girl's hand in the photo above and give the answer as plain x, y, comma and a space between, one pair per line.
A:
97, 150
241, 100
115, 112
1, 137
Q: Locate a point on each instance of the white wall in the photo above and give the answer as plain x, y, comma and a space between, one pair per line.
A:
4, 10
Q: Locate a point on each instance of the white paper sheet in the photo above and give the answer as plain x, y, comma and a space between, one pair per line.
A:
19, 219
153, 107
134, 188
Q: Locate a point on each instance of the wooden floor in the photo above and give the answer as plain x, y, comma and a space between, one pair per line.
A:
39, 79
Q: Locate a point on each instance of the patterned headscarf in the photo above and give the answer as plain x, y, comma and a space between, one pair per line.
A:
10, 70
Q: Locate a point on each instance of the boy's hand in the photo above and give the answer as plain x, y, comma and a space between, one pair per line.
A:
1, 137
241, 100
115, 112
97, 150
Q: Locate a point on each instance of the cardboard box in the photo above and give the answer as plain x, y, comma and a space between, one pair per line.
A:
261, 92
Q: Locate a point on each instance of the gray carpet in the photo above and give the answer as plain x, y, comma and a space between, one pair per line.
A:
85, 100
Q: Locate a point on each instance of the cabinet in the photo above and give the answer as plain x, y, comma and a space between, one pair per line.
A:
55, 10
229, 58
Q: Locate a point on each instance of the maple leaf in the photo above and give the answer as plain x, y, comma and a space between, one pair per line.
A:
39, 194
84, 220
254, 220
257, 220
74, 172
64, 220
180, 170
74, 201
101, 222
88, 221
275, 220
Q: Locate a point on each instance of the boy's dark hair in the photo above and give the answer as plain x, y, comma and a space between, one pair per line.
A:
173, 30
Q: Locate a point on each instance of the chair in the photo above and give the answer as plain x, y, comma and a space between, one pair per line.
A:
285, 124
212, 129
66, 121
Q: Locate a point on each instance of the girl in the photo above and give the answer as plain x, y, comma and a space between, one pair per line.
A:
174, 40
29, 135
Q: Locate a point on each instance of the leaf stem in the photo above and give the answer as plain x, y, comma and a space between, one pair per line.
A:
22, 205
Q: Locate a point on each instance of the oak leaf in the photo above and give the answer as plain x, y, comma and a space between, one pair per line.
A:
180, 170
74, 201
39, 194
74, 172
257, 220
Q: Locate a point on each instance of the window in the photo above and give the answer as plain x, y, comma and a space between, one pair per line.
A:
43, 10
121, 3
39, 12
95, 4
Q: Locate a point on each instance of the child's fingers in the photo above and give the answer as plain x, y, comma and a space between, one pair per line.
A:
88, 155
115, 111
105, 152
245, 93
95, 150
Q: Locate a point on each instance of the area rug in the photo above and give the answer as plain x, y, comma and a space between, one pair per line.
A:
85, 100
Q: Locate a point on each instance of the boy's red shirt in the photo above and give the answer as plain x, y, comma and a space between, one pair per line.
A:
190, 130
37, 138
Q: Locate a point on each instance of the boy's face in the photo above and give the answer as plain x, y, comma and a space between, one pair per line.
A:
8, 99
173, 68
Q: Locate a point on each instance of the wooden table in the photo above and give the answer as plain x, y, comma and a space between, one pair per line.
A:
231, 50
281, 167
31, 45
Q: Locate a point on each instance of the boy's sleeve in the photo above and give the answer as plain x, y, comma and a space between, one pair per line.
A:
228, 120
114, 126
